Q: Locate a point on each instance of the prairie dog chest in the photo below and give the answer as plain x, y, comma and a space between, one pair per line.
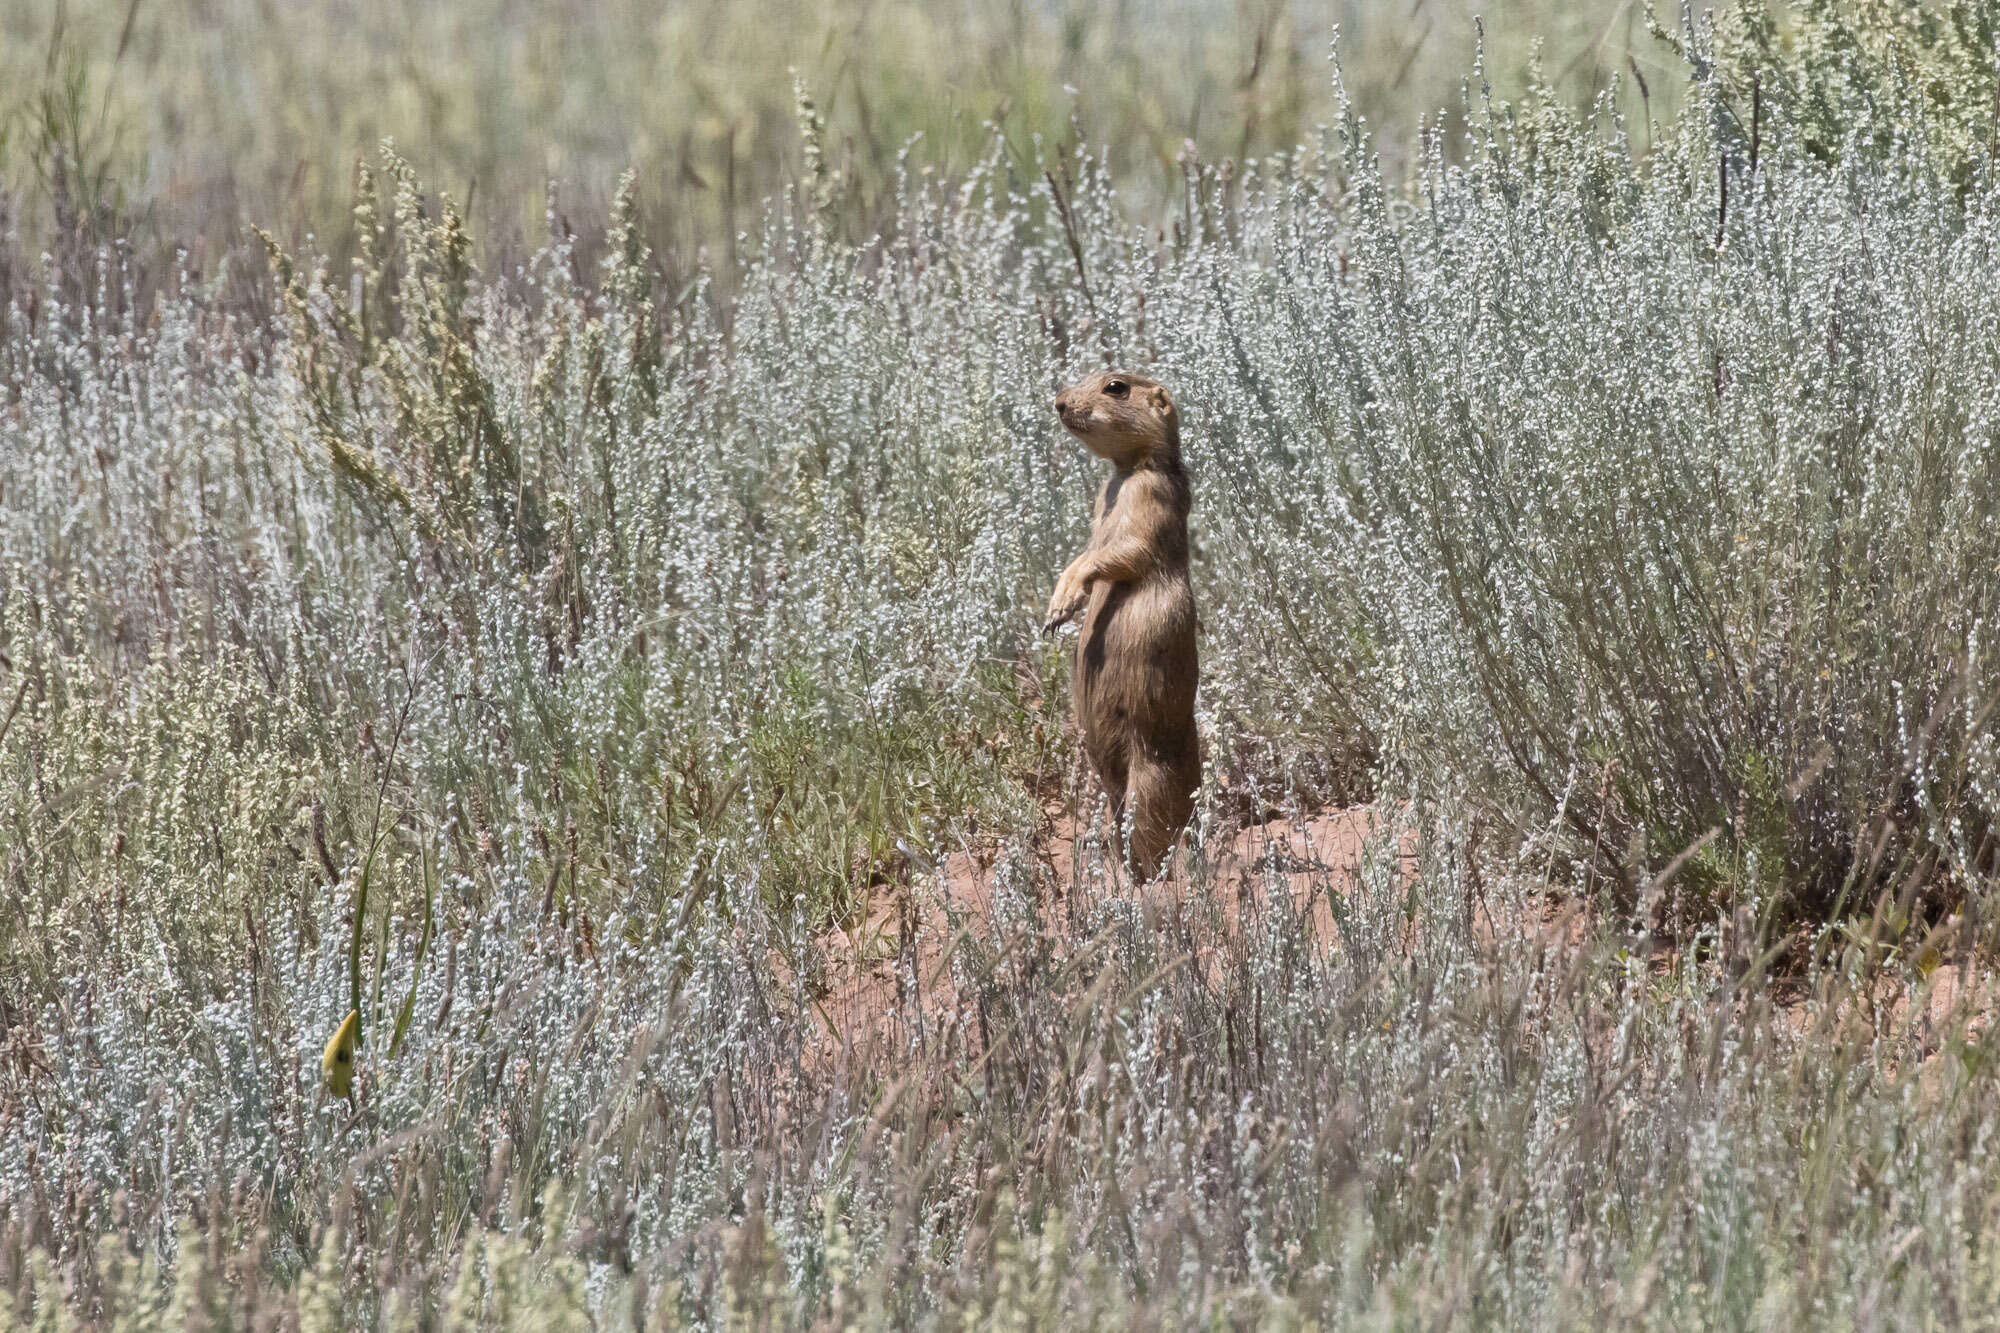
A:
1107, 517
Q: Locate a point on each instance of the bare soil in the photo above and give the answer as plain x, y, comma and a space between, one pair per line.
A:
908, 933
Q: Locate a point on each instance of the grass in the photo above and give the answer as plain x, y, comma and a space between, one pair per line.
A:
176, 122
544, 652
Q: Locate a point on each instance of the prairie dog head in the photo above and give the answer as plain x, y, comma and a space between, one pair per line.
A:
1126, 419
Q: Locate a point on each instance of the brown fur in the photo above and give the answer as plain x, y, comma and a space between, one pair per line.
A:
1134, 678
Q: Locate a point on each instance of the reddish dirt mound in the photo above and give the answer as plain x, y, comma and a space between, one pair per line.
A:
870, 961
910, 933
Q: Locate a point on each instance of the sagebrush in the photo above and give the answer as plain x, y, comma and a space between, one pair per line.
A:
545, 660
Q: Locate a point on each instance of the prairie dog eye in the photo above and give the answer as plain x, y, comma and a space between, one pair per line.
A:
1117, 388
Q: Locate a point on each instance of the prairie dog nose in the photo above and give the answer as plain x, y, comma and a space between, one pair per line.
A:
1065, 404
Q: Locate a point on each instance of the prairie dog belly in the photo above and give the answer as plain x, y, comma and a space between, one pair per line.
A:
1135, 657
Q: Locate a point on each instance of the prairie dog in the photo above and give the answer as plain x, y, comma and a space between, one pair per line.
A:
1134, 678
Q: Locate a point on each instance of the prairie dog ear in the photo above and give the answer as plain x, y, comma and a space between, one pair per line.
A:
1162, 400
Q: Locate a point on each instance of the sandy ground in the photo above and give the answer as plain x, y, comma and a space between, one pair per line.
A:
869, 977
909, 931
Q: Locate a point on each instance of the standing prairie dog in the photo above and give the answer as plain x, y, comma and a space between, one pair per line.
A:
1134, 679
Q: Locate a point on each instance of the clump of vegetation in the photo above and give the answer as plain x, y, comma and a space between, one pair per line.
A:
541, 660
1868, 75
224, 113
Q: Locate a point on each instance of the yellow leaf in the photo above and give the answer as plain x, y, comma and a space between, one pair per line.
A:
338, 1062
1929, 960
